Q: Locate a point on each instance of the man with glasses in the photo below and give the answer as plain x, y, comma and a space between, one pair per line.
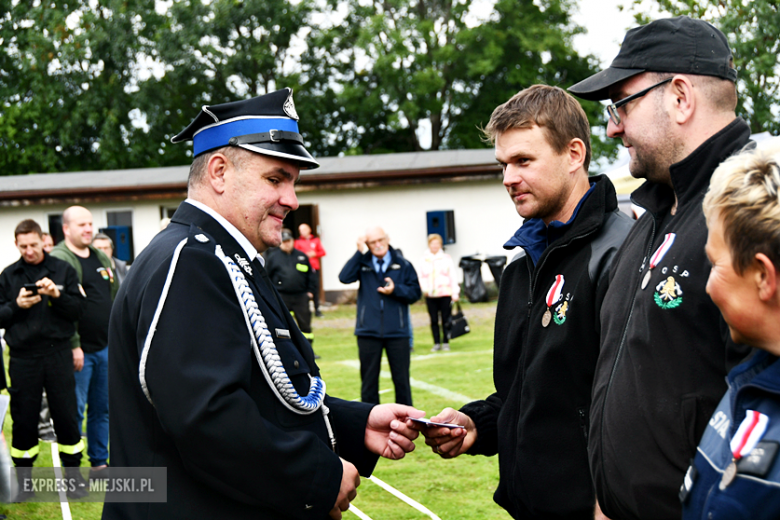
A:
665, 348
388, 284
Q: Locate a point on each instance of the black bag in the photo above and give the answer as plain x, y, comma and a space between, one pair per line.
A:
459, 325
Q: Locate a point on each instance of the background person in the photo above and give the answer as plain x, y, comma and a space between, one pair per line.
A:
736, 472
104, 243
291, 273
45, 427
665, 349
90, 342
546, 333
198, 328
388, 284
312, 247
38, 328
439, 284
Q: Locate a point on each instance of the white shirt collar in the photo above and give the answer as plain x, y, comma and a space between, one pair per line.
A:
245, 244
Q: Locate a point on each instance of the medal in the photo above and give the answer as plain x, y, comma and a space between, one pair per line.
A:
748, 434
728, 475
546, 317
553, 296
658, 256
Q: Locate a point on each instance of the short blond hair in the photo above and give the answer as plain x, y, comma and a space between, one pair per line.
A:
435, 236
745, 192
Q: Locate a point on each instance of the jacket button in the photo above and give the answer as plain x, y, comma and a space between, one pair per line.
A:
296, 364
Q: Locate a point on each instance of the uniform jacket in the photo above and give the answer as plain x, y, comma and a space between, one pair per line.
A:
665, 350
290, 273
379, 315
438, 276
62, 252
48, 325
754, 494
312, 244
232, 449
537, 420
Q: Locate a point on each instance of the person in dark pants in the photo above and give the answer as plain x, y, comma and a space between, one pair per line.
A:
291, 273
388, 284
312, 247
440, 288
39, 304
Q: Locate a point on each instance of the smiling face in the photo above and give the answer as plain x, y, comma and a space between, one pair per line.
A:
735, 295
77, 227
536, 177
30, 245
256, 197
645, 129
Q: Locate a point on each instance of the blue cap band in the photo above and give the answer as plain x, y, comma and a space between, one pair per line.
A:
220, 134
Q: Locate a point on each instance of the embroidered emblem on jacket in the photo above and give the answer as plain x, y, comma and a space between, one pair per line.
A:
244, 263
668, 294
559, 317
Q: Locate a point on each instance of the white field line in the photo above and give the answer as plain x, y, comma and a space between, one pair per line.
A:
55, 461
360, 514
418, 506
416, 383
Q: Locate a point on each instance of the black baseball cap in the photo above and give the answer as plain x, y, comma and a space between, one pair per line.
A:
678, 45
267, 125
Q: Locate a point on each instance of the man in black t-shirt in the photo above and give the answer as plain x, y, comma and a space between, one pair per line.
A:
90, 343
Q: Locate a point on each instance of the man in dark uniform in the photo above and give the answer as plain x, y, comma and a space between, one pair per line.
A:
290, 271
39, 323
210, 377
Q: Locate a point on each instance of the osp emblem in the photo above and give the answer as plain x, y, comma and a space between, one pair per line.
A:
559, 316
668, 294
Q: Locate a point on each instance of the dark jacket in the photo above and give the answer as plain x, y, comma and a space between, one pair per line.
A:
754, 494
379, 315
291, 273
665, 350
537, 421
231, 448
48, 325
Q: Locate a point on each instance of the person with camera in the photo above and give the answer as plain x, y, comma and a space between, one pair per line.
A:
388, 284
40, 302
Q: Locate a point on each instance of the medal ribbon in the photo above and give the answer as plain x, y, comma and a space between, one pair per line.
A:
554, 294
662, 249
748, 434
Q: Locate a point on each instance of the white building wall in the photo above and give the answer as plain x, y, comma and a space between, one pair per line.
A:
484, 219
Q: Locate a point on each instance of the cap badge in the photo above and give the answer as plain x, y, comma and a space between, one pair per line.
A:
289, 107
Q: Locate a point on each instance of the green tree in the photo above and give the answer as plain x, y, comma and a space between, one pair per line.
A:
753, 30
393, 64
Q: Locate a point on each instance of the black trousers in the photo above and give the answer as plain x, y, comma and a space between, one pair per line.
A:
29, 377
298, 305
440, 306
398, 355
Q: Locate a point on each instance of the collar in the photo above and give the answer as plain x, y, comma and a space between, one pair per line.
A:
534, 236
691, 176
385, 261
247, 246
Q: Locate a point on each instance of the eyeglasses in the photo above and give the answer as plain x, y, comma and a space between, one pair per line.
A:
612, 109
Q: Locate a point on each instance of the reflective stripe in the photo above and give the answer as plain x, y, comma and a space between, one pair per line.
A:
19, 454
308, 335
302, 267
72, 449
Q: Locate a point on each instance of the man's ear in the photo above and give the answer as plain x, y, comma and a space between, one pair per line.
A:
684, 99
765, 277
215, 172
577, 152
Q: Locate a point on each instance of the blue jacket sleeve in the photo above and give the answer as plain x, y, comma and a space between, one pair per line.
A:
351, 270
407, 290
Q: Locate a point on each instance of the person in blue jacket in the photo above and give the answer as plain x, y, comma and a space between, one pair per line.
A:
736, 472
388, 284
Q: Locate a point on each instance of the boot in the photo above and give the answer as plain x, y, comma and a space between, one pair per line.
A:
25, 491
77, 486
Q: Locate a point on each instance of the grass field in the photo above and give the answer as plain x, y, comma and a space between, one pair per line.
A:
456, 489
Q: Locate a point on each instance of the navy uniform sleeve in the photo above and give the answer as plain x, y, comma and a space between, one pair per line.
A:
351, 270
407, 289
199, 372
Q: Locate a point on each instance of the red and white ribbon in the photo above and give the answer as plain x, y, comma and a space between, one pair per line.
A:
749, 433
554, 294
662, 249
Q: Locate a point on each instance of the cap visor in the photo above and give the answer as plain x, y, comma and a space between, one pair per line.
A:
596, 87
286, 151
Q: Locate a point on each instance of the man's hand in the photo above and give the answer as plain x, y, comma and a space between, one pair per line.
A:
27, 299
47, 287
389, 288
78, 359
350, 480
387, 432
362, 246
448, 442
